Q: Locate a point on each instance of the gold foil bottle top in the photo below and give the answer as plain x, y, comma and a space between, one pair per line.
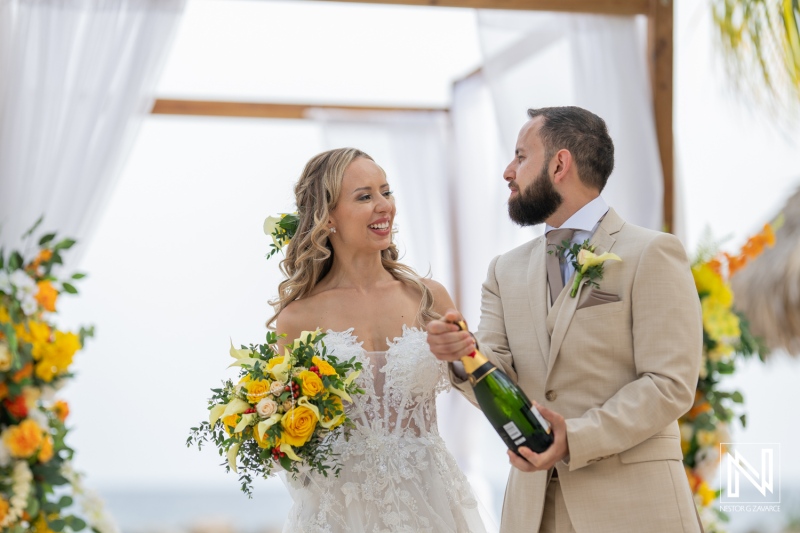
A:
476, 359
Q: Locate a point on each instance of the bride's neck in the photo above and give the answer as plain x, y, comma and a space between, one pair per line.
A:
361, 272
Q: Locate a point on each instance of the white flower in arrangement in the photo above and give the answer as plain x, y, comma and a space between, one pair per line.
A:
266, 408
47, 393
277, 388
28, 305
21, 479
5, 282
39, 417
25, 284
5, 455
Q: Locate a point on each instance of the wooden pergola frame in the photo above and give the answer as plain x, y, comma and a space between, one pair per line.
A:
660, 56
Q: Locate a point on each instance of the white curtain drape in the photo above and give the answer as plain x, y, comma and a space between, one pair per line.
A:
591, 61
76, 78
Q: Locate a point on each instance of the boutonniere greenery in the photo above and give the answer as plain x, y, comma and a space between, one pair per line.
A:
588, 265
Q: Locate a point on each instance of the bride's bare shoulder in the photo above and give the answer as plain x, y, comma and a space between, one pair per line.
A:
442, 301
295, 318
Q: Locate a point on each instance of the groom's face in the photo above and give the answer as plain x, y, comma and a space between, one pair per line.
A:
533, 197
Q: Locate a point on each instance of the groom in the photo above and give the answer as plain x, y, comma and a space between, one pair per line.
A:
611, 368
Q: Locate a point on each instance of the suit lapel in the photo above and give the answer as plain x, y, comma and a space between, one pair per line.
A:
537, 295
566, 305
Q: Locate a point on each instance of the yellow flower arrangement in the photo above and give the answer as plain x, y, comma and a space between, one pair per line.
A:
36, 356
726, 337
23, 440
283, 409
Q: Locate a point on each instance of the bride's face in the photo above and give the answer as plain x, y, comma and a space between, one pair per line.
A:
365, 212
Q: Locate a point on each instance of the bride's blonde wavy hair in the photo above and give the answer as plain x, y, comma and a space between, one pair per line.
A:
309, 255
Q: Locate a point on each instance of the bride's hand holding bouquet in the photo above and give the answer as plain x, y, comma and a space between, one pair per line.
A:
282, 411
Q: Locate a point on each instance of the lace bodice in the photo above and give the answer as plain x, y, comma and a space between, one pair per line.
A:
401, 383
397, 475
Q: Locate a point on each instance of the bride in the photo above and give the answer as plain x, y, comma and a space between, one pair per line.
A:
343, 277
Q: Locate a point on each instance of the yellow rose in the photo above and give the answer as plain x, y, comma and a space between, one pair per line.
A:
298, 426
277, 360
256, 390
706, 493
310, 384
706, 438
325, 367
47, 296
230, 422
5, 357
46, 451
23, 440
3, 509
61, 410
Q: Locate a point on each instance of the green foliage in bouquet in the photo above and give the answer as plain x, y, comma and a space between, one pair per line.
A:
285, 410
38, 488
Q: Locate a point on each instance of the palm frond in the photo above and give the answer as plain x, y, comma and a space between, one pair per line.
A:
761, 42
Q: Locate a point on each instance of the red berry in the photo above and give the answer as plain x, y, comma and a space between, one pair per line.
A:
286, 387
283, 454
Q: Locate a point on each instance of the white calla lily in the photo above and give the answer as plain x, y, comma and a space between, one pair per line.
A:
341, 394
247, 420
264, 425
215, 413
289, 451
235, 407
233, 451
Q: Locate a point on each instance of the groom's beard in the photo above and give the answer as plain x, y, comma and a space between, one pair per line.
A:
536, 202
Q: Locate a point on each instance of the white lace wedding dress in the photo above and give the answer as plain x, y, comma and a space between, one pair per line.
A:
397, 474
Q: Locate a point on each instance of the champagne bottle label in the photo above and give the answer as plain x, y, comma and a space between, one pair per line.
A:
545, 424
514, 432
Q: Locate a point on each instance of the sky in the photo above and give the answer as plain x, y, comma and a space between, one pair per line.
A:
176, 264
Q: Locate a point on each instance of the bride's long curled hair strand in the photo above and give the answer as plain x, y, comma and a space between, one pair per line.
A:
309, 255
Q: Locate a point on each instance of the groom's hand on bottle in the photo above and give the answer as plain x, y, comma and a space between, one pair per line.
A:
532, 461
446, 340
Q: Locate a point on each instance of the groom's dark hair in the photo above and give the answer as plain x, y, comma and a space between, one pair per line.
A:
586, 137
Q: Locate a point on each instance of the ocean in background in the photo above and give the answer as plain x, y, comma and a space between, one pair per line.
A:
195, 510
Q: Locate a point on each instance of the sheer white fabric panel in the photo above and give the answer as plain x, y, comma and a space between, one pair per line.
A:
595, 62
77, 78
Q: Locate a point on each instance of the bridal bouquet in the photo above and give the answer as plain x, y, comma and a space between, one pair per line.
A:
284, 410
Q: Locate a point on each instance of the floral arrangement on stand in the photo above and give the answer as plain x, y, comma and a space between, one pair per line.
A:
726, 340
284, 411
38, 487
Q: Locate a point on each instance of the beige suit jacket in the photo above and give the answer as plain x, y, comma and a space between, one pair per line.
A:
620, 372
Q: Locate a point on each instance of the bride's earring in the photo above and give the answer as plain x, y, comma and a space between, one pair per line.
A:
333, 230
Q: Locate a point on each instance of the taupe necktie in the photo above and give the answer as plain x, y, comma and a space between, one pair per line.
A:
554, 276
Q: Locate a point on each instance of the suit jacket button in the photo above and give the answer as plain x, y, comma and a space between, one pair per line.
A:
550, 395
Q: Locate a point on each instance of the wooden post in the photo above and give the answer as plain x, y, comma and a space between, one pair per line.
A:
660, 55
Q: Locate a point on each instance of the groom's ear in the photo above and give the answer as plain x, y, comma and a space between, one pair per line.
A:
563, 165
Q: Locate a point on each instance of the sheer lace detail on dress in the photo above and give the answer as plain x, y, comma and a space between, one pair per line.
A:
397, 474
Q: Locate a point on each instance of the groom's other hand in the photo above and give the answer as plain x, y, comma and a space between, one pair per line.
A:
532, 461
446, 340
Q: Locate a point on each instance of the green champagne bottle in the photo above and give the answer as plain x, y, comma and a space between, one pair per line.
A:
508, 409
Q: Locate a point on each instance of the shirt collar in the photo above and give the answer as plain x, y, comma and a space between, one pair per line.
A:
586, 218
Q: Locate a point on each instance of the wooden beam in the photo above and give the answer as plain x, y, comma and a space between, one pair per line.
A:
601, 7
660, 56
209, 108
